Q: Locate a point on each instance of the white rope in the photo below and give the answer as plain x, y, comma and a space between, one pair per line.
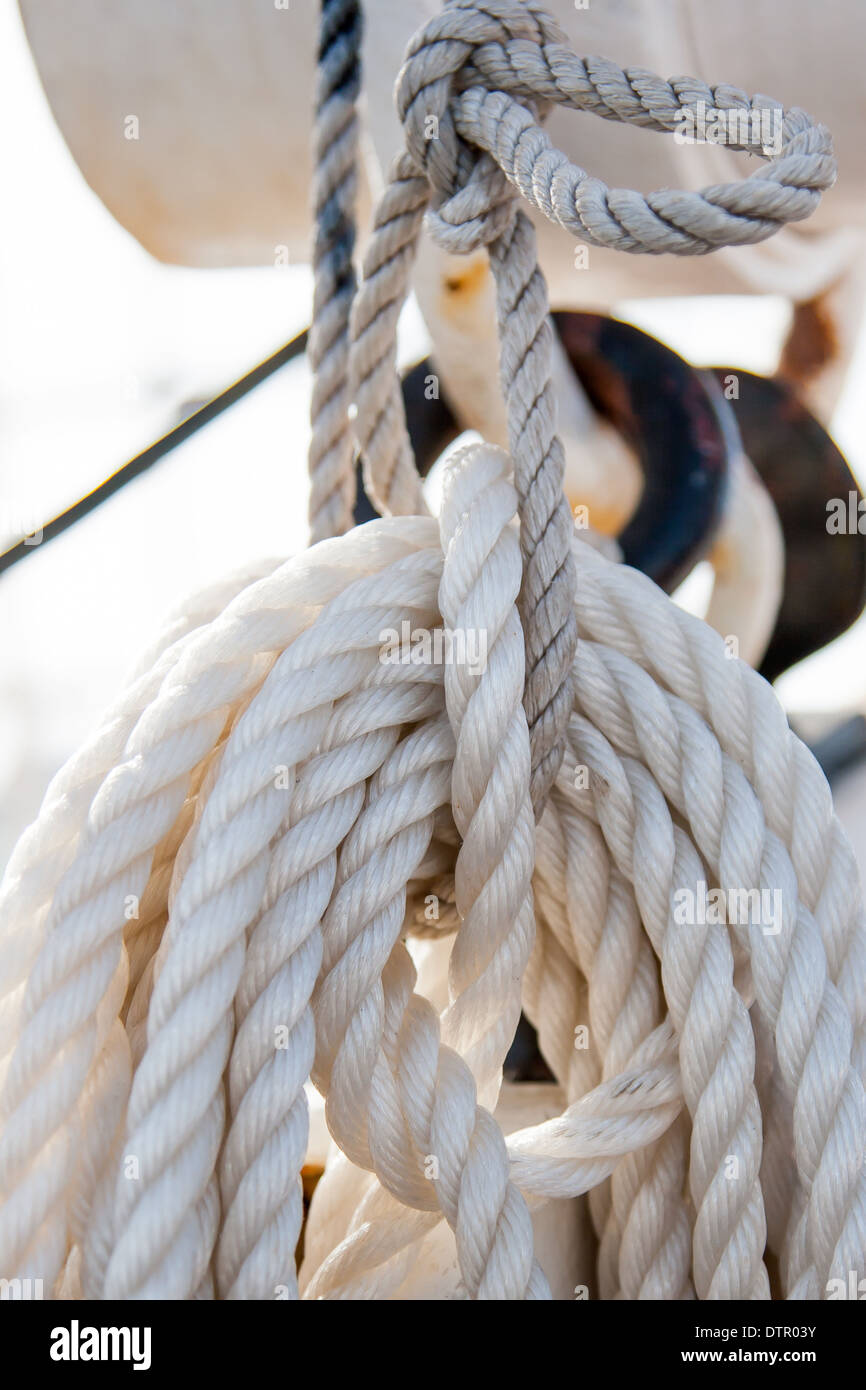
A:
320, 837
277, 874
214, 901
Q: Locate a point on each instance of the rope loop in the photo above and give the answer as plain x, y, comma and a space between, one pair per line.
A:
472, 203
479, 79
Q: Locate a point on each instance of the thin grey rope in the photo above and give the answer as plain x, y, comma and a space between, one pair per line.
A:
335, 164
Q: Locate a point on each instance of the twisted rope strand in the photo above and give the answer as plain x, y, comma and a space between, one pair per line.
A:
643, 1221
267, 1140
716, 1049
133, 810
335, 163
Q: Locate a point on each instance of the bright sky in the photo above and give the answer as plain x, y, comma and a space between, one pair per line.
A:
100, 346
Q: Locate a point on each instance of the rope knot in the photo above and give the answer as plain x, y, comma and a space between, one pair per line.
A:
476, 85
472, 202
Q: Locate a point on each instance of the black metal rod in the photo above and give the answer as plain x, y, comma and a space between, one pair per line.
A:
158, 450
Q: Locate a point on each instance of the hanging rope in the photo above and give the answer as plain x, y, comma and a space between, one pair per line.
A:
213, 902
335, 178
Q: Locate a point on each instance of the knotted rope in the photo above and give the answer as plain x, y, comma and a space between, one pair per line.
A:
449, 114
213, 902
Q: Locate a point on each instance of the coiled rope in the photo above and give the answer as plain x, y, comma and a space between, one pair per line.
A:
213, 902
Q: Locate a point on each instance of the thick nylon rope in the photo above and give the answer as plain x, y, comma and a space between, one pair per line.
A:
643, 1207
213, 903
173, 1242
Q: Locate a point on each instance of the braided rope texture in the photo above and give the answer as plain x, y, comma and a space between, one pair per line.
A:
217, 902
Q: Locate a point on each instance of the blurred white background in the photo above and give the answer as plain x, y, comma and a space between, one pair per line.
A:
100, 349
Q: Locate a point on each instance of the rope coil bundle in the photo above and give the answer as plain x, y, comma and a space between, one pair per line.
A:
213, 903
